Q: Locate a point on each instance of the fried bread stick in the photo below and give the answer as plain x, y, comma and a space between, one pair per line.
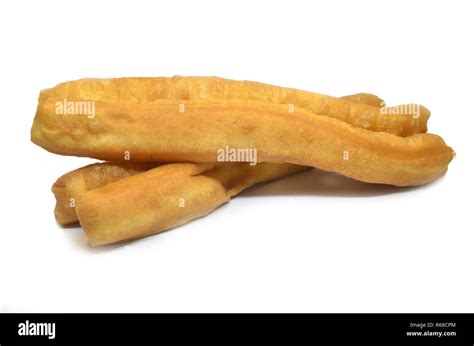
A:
167, 196
160, 131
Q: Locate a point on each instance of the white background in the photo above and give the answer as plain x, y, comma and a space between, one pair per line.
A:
312, 243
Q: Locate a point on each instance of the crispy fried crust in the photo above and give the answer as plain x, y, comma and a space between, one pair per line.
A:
159, 131
166, 196
148, 90
367, 99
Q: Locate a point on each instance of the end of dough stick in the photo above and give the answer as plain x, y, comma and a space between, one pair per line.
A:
148, 203
71, 185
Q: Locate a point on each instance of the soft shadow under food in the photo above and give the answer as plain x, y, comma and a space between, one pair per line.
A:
319, 183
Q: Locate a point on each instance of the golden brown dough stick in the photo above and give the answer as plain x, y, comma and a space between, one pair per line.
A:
73, 184
365, 98
161, 132
167, 196
148, 90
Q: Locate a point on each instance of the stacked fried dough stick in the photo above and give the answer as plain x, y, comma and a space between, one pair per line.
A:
187, 120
